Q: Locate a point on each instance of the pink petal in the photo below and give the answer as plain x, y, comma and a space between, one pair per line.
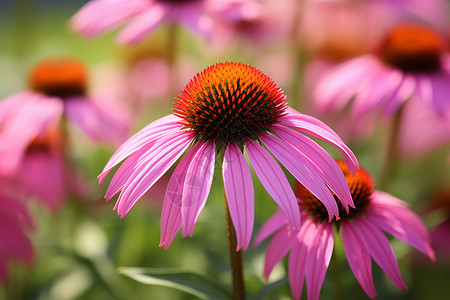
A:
151, 168
275, 222
152, 132
43, 175
278, 247
324, 164
143, 24
197, 185
193, 16
303, 171
440, 87
316, 128
274, 181
381, 251
298, 257
338, 87
95, 121
405, 91
171, 219
113, 14
358, 258
239, 192
400, 222
319, 256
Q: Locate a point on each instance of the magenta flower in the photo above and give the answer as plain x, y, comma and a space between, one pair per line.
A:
410, 63
58, 88
142, 16
362, 229
14, 224
223, 110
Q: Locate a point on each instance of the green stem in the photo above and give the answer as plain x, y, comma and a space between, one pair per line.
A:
391, 150
235, 258
336, 267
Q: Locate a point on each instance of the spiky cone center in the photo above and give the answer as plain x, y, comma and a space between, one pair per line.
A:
229, 102
59, 78
412, 48
361, 187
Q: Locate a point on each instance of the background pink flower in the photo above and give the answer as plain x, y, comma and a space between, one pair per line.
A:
142, 16
15, 223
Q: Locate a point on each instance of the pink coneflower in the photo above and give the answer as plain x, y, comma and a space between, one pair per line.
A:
142, 16
410, 62
362, 229
223, 110
57, 88
15, 244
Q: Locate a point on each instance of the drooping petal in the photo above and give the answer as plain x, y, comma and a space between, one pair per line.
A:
358, 258
114, 14
193, 17
162, 127
380, 250
278, 247
319, 256
43, 174
302, 169
406, 89
240, 195
318, 129
299, 257
171, 218
324, 164
142, 24
151, 168
197, 185
274, 181
275, 222
399, 221
97, 122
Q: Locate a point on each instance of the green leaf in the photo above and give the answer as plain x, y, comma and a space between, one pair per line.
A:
192, 283
262, 294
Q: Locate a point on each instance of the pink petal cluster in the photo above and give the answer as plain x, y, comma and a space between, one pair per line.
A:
311, 246
142, 16
15, 245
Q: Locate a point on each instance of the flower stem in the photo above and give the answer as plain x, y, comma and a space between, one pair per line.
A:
235, 258
391, 149
336, 267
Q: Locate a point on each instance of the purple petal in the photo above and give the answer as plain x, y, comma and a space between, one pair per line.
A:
303, 171
275, 222
358, 258
197, 185
192, 15
278, 247
143, 24
240, 195
319, 256
381, 251
274, 181
298, 257
405, 91
400, 222
153, 165
324, 164
171, 219
113, 14
318, 129
152, 132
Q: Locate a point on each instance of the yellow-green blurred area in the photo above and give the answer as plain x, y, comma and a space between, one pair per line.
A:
79, 249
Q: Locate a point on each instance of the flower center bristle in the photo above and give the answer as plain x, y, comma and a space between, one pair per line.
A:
230, 102
59, 78
361, 186
412, 48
